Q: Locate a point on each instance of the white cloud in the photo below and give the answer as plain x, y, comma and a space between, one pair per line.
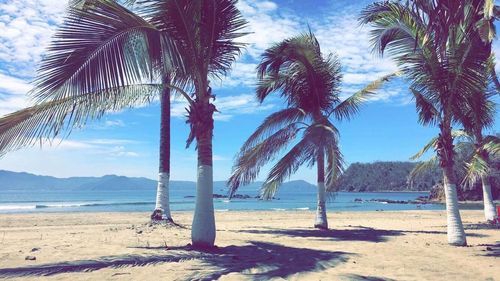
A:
12, 94
337, 32
266, 24
11, 103
27, 26
242, 74
111, 141
105, 147
114, 123
343, 36
13, 85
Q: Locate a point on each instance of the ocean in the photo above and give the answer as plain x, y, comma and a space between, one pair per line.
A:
181, 199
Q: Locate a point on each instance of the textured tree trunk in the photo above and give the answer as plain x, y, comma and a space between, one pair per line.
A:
456, 233
203, 227
162, 208
445, 152
321, 219
490, 212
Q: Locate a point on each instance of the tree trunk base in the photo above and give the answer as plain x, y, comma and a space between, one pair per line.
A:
321, 226
157, 216
464, 244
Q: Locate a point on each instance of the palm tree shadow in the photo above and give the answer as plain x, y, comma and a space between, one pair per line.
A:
492, 250
264, 261
356, 277
360, 233
261, 260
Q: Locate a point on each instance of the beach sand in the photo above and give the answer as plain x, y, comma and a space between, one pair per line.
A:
409, 245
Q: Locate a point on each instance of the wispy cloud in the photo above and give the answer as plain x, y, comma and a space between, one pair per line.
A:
103, 147
114, 123
13, 85
337, 32
27, 26
228, 107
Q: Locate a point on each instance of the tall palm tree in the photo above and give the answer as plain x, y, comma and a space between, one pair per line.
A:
204, 34
113, 39
479, 168
310, 84
106, 57
477, 115
431, 42
162, 206
473, 164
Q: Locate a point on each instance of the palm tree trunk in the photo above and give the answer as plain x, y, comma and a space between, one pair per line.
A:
321, 219
203, 227
162, 208
444, 149
456, 233
489, 206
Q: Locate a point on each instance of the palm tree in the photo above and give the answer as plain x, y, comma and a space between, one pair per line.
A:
204, 34
106, 57
310, 84
65, 63
431, 42
478, 114
472, 164
162, 206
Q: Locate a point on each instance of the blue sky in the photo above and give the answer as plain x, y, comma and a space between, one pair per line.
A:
126, 143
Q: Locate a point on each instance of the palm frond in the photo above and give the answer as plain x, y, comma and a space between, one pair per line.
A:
427, 113
204, 33
476, 168
296, 68
248, 162
50, 119
334, 167
492, 147
272, 123
431, 144
304, 151
350, 106
97, 48
423, 167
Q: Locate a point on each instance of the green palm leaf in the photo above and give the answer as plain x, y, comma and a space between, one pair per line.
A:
49, 119
203, 32
350, 106
249, 162
97, 48
304, 151
272, 123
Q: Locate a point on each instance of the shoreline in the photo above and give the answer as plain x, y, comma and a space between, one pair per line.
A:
408, 245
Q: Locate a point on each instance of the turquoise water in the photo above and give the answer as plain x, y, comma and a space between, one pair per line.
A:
13, 201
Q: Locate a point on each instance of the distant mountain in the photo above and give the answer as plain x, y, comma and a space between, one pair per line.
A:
16, 181
386, 176
25, 181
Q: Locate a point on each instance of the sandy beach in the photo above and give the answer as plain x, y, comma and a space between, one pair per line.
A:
408, 245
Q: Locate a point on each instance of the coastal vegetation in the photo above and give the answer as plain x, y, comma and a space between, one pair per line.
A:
309, 81
431, 41
167, 45
386, 176
106, 56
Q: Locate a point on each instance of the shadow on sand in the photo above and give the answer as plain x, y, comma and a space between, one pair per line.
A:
357, 233
492, 250
259, 259
356, 277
